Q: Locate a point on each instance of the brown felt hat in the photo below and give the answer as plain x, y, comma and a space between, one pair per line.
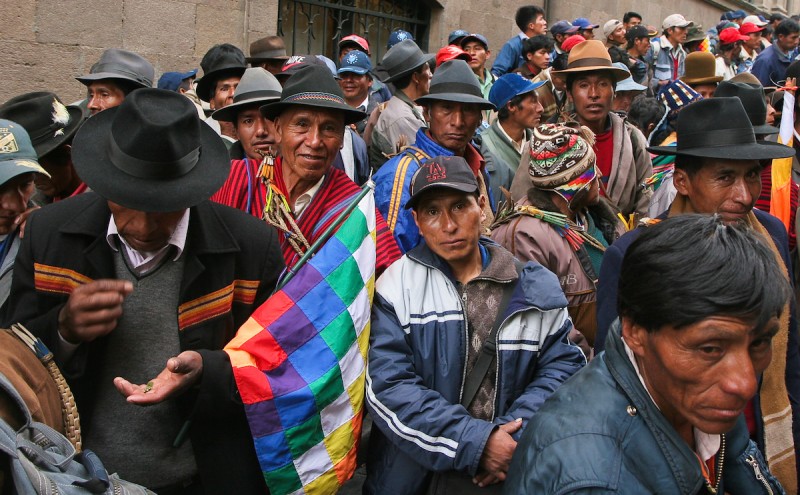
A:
701, 68
590, 56
269, 48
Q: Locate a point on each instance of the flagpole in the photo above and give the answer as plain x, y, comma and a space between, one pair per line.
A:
291, 272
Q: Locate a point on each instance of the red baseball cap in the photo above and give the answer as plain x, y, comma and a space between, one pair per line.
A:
451, 52
358, 40
749, 28
570, 42
731, 35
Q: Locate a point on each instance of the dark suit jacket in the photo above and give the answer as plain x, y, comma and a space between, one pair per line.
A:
232, 265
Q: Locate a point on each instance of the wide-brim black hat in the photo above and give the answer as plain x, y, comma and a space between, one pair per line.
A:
719, 128
152, 153
403, 59
455, 81
256, 88
47, 120
313, 86
219, 62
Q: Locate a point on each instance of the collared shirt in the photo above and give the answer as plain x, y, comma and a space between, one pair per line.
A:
364, 104
304, 199
706, 444
143, 261
517, 145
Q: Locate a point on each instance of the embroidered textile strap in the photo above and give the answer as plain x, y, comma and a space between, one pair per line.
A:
276, 208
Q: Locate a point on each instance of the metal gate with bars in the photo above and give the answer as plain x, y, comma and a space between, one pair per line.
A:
315, 26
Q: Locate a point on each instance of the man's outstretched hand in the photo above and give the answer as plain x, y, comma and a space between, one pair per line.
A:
182, 371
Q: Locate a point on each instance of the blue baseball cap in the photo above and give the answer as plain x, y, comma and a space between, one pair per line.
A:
456, 35
510, 85
627, 84
397, 36
475, 37
356, 61
171, 80
17, 155
584, 23
563, 27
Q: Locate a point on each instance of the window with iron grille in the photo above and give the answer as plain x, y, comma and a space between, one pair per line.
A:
315, 26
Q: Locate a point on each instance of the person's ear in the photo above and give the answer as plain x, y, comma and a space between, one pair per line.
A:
681, 181
635, 336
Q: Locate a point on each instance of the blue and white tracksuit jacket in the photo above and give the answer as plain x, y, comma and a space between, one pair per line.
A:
416, 370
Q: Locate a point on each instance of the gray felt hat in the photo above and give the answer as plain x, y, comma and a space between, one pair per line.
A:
257, 87
403, 59
455, 81
121, 64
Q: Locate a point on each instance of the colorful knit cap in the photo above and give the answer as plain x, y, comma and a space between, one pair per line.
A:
569, 190
560, 154
676, 95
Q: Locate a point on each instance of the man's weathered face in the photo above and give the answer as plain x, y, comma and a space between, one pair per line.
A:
57, 163
634, 21
256, 133
641, 46
424, 76
450, 223
705, 90
102, 95
355, 86
618, 36
538, 26
677, 35
623, 100
309, 139
788, 42
539, 59
273, 66
479, 55
223, 92
587, 33
529, 111
592, 95
754, 41
702, 375
14, 196
145, 231
452, 124
728, 188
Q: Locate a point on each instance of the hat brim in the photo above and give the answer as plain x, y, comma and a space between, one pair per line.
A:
90, 156
351, 115
765, 130
228, 114
631, 86
465, 188
75, 121
701, 80
425, 59
619, 74
19, 167
256, 59
457, 97
204, 84
749, 151
90, 78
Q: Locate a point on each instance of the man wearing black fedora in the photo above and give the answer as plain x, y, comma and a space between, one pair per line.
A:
113, 77
400, 117
717, 172
143, 272
243, 189
51, 126
453, 111
223, 66
268, 53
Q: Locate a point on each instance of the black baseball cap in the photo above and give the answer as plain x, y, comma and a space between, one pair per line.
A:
636, 32
442, 172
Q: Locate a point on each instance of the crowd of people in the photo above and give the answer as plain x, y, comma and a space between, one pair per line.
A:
584, 258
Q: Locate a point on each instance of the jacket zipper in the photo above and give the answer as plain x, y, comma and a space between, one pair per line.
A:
759, 475
466, 343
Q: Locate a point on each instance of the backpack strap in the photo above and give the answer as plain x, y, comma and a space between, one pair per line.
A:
489, 350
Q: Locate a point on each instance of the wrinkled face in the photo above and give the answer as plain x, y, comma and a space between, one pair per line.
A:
539, 59
538, 26
223, 92
587, 33
58, 164
677, 35
618, 36
450, 223
479, 55
144, 231
729, 188
754, 41
14, 196
102, 95
256, 133
705, 90
355, 86
702, 375
641, 45
592, 95
529, 111
623, 100
788, 42
453, 124
424, 76
309, 138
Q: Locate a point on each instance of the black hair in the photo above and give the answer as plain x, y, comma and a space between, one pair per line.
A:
527, 14
536, 43
573, 76
126, 86
787, 27
405, 81
776, 18
688, 268
690, 164
645, 110
560, 62
185, 84
503, 113
629, 15
632, 41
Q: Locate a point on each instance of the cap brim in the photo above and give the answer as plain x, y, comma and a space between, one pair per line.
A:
413, 200
90, 156
630, 86
354, 70
228, 114
749, 151
457, 97
90, 78
75, 121
351, 115
14, 168
619, 74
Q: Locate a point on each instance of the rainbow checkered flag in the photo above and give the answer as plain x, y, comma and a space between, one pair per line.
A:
299, 363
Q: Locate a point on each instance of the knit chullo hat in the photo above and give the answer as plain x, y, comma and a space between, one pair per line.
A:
562, 159
676, 95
